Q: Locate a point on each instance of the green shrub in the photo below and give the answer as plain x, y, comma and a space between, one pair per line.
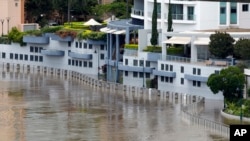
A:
148, 83
4, 40
153, 49
175, 51
53, 29
92, 35
16, 36
131, 46
34, 32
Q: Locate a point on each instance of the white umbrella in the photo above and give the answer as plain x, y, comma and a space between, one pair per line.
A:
92, 22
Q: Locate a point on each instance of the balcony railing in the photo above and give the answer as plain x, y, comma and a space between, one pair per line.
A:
137, 12
181, 17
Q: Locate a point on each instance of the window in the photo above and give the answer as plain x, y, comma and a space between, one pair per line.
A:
198, 71
80, 44
76, 62
182, 69
223, 10
141, 63
147, 75
102, 56
198, 83
162, 78
90, 46
162, 66
166, 67
76, 44
11, 55
3, 55
102, 47
40, 58
21, 57
69, 62
194, 83
166, 79
90, 64
69, 44
126, 61
217, 72
73, 62
135, 74
147, 64
16, 56
141, 75
36, 49
182, 81
85, 64
80, 63
171, 79
171, 67
40, 49
31, 58
85, 45
190, 12
177, 11
36, 58
26, 57
194, 70
244, 7
31, 49
126, 73
135, 62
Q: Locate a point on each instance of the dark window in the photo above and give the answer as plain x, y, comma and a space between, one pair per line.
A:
80, 44
166, 67
171, 68
11, 55
31, 49
80, 63
141, 63
182, 81
31, 58
69, 44
182, 69
147, 75
36, 58
162, 78
40, 58
69, 62
76, 62
76, 44
171, 79
198, 83
141, 75
223, 10
102, 47
90, 64
21, 57
233, 10
40, 49
244, 7
147, 64
85, 45
16, 56
135, 74
126, 73
194, 70
162, 66
166, 79
102, 56
85, 64
90, 46
3, 55
73, 62
135, 62
198, 71
36, 49
26, 57
194, 83
126, 61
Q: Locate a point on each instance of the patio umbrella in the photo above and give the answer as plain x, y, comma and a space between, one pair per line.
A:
92, 22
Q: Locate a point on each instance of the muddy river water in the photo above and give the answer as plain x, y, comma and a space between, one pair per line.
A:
46, 108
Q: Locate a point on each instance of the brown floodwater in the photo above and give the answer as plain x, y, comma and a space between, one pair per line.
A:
46, 108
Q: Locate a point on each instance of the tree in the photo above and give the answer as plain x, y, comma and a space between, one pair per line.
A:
154, 37
170, 18
242, 49
230, 81
221, 44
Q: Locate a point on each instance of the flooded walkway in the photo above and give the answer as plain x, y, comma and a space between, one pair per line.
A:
45, 108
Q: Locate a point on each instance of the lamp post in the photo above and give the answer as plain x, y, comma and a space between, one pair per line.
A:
8, 21
2, 21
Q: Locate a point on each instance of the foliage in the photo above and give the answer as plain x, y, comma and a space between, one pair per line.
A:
154, 36
16, 36
131, 46
242, 49
64, 33
148, 83
34, 32
221, 44
153, 49
230, 81
234, 107
92, 35
54, 29
175, 51
4, 40
170, 18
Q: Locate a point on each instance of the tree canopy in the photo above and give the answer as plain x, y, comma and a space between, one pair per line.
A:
170, 18
230, 81
154, 37
221, 44
242, 49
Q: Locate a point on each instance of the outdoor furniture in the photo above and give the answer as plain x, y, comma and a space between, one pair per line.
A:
220, 63
209, 63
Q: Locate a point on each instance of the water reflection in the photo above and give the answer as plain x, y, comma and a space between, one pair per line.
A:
44, 108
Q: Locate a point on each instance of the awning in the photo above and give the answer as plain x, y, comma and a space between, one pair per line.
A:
105, 29
120, 32
202, 41
111, 31
178, 40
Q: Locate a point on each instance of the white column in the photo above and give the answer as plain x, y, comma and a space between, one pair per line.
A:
193, 50
228, 13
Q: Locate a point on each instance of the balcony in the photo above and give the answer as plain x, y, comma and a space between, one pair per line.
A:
80, 56
52, 52
36, 39
137, 12
58, 38
164, 73
195, 78
135, 68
